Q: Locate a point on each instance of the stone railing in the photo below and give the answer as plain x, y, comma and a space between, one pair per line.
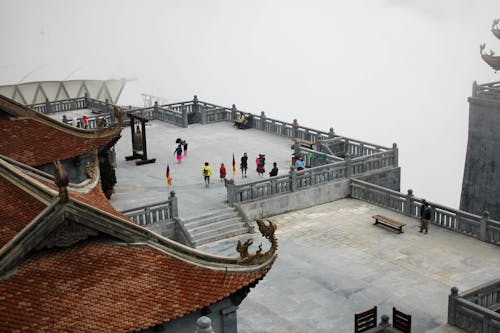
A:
488, 90
297, 180
152, 213
176, 116
475, 310
480, 227
66, 105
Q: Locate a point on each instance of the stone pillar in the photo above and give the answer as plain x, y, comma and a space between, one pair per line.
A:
204, 325
174, 210
234, 110
185, 120
474, 88
48, 108
348, 169
396, 154
293, 179
483, 225
231, 192
263, 121
409, 202
452, 305
87, 100
295, 127
331, 133
384, 321
156, 111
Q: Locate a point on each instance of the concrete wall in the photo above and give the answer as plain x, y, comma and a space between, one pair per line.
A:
164, 228
481, 182
279, 204
390, 179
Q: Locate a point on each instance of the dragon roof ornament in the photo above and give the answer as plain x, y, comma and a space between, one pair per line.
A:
267, 230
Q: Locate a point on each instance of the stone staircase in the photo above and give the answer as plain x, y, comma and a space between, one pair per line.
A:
216, 225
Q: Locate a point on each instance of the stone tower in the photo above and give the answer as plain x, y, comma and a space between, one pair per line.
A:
481, 182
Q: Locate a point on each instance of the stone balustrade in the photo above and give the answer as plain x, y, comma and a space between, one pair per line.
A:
480, 227
489, 90
49, 107
475, 310
161, 211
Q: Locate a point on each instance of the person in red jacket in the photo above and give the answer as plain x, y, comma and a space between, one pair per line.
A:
222, 172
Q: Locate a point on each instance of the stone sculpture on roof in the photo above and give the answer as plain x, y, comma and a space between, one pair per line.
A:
490, 58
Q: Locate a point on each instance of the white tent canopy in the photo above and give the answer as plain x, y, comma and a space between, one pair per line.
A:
38, 92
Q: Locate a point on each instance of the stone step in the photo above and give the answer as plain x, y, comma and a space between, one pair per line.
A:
215, 225
212, 238
208, 219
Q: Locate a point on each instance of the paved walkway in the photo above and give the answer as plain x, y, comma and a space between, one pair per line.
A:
332, 262
214, 143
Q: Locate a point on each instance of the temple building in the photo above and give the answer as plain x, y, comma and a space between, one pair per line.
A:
481, 181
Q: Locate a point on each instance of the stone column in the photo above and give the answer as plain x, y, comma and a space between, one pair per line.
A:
48, 109
348, 169
231, 195
185, 121
174, 210
263, 121
295, 127
331, 133
474, 88
204, 325
156, 110
87, 100
384, 321
409, 203
452, 305
483, 225
293, 179
234, 110
396, 154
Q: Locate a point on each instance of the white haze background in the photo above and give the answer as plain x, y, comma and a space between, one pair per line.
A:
381, 71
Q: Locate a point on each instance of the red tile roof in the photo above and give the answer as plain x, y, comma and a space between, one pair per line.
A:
17, 209
104, 287
35, 142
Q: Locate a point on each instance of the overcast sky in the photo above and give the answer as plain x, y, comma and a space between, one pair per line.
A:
382, 71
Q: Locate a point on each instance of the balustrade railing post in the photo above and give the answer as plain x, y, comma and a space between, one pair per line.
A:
174, 210
295, 127
348, 166
409, 203
156, 110
483, 223
234, 110
47, 106
396, 154
231, 192
474, 88
204, 325
331, 133
293, 179
262, 120
87, 101
185, 120
452, 299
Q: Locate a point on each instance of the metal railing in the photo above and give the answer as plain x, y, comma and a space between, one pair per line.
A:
475, 310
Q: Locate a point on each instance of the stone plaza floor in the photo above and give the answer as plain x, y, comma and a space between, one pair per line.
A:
332, 262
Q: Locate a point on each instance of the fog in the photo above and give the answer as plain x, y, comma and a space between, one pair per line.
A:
381, 71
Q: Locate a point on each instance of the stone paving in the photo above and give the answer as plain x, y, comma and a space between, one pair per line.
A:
332, 261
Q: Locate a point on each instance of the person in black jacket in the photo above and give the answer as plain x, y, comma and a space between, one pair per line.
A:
274, 171
425, 216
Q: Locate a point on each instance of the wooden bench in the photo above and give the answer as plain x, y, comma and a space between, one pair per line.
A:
305, 143
389, 222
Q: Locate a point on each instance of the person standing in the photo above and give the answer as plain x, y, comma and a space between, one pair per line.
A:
260, 161
178, 153
222, 172
244, 165
425, 216
206, 171
85, 121
185, 146
274, 171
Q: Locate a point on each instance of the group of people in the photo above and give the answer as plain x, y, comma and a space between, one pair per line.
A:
182, 144
260, 162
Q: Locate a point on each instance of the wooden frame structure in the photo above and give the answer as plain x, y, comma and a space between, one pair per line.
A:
143, 154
